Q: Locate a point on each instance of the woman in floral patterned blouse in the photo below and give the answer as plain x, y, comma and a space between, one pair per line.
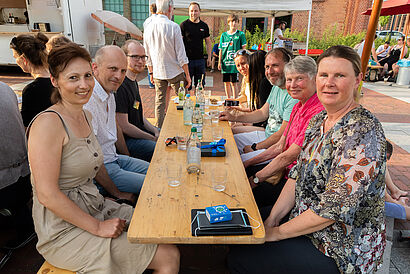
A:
336, 190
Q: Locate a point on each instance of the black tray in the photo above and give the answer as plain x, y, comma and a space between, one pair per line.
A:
224, 228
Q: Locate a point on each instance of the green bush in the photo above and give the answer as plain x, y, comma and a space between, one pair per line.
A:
330, 37
258, 37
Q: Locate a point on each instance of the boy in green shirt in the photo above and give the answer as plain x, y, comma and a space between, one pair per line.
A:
231, 41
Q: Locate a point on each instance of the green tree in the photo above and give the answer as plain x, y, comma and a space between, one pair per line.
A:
383, 20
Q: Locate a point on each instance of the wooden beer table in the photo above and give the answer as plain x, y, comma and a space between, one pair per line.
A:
163, 213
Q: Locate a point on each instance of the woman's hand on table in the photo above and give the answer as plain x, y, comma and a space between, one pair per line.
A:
238, 108
111, 228
226, 115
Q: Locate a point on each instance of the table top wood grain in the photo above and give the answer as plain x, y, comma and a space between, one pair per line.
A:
163, 213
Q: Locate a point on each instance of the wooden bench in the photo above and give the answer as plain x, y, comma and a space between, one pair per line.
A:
47, 268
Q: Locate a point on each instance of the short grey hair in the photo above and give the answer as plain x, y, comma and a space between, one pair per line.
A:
302, 65
163, 5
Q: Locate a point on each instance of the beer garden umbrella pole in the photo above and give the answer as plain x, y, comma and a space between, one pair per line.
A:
371, 31
406, 33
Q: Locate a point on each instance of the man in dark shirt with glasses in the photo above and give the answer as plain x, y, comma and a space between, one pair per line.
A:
140, 135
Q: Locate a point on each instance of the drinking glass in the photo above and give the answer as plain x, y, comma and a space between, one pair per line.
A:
207, 95
181, 142
207, 119
217, 133
219, 175
214, 116
173, 174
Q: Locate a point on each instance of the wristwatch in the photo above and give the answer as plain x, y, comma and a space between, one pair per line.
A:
255, 180
253, 146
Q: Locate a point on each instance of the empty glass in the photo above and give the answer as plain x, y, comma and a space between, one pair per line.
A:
217, 133
214, 116
173, 174
207, 120
181, 142
207, 95
219, 175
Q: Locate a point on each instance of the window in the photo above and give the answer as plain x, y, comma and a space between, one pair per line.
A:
114, 5
139, 12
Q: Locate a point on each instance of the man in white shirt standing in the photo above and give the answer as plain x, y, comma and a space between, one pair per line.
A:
153, 11
278, 35
167, 60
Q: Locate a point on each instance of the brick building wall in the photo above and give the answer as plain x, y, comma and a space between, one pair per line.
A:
216, 22
346, 14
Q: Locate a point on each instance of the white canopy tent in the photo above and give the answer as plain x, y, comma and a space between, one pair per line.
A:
247, 8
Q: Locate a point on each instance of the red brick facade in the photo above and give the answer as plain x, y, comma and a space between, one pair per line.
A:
346, 14
215, 23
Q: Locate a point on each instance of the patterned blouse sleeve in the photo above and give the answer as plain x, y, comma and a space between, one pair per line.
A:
357, 169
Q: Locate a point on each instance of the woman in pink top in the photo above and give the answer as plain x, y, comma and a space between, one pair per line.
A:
300, 76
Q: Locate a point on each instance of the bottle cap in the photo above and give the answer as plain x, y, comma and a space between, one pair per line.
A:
193, 129
188, 95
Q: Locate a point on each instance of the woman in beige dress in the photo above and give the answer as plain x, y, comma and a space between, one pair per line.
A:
77, 228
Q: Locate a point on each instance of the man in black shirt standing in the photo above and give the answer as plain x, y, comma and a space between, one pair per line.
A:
139, 134
194, 31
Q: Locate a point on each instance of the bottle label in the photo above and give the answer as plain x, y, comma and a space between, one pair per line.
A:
198, 127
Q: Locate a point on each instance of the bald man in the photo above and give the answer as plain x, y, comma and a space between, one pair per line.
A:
127, 173
140, 135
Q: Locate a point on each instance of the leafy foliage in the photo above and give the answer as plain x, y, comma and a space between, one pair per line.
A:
383, 20
330, 37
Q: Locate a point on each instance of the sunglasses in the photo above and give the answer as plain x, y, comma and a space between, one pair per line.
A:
138, 57
170, 141
242, 52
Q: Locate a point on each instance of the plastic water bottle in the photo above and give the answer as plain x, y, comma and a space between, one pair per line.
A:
200, 99
197, 121
181, 92
188, 110
193, 153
